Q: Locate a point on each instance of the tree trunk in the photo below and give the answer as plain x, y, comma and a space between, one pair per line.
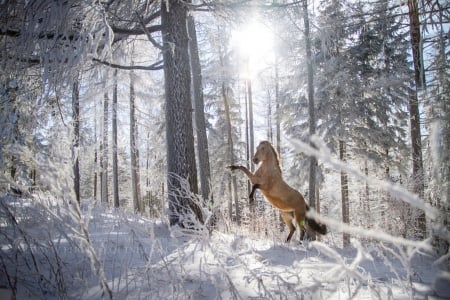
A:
104, 150
114, 143
76, 137
312, 118
269, 119
251, 134
13, 116
416, 144
367, 196
231, 154
95, 155
200, 123
277, 110
344, 194
250, 121
416, 43
416, 136
179, 132
247, 141
134, 150
442, 173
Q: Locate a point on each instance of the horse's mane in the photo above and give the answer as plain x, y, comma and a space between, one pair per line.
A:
275, 153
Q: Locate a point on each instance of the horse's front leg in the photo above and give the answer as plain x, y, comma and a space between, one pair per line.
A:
249, 174
251, 177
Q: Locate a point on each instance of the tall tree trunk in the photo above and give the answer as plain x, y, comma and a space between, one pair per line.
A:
250, 121
313, 202
442, 173
277, 110
200, 122
344, 194
179, 131
416, 136
367, 195
247, 140
76, 137
114, 144
104, 150
251, 136
95, 155
231, 153
416, 43
134, 150
269, 119
13, 116
416, 144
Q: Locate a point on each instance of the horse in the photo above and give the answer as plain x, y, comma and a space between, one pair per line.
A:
269, 180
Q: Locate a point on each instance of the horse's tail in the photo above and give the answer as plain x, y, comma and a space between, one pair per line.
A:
317, 227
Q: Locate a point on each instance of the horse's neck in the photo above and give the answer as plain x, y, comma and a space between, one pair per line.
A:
270, 166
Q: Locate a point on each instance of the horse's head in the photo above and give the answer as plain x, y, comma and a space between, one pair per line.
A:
264, 152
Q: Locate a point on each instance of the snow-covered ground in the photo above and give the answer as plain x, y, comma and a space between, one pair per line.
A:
47, 253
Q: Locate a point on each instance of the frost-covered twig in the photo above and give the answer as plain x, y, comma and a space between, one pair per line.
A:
87, 246
404, 255
370, 233
325, 155
341, 270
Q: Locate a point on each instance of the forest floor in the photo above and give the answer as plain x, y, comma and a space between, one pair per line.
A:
46, 254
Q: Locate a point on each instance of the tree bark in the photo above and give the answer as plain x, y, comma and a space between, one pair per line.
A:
179, 131
200, 122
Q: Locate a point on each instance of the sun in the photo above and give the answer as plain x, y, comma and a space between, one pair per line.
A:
253, 42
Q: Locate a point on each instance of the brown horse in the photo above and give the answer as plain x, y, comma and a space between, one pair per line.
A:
289, 201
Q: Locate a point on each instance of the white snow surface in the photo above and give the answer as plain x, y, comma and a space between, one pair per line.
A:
49, 254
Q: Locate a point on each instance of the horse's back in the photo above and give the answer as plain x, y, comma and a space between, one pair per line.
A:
284, 197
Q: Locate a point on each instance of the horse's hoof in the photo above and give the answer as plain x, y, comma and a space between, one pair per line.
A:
232, 168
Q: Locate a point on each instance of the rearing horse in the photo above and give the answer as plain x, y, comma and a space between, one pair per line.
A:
289, 201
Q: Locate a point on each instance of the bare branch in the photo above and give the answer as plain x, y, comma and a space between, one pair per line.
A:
209, 6
153, 67
135, 31
149, 36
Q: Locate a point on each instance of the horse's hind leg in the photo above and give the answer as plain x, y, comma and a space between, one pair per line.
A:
251, 197
300, 218
287, 219
302, 233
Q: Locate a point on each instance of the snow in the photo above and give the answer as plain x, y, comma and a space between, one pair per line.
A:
49, 253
